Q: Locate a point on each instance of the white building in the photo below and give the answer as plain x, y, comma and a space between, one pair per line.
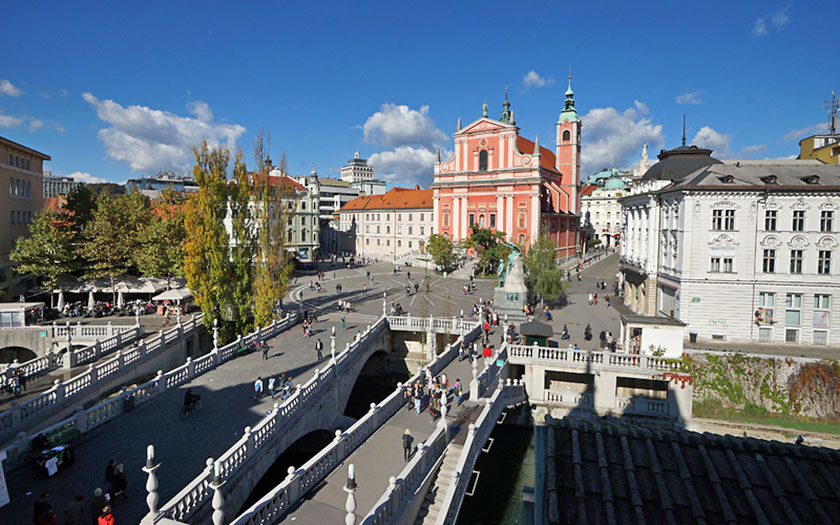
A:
390, 226
360, 176
55, 186
600, 206
740, 251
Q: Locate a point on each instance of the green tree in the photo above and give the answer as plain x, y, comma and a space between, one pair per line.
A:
48, 251
206, 249
486, 244
544, 276
442, 250
243, 250
160, 251
110, 236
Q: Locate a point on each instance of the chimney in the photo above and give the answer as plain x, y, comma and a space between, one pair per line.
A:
416, 186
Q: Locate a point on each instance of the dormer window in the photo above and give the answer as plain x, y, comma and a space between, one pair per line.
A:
811, 179
769, 179
727, 179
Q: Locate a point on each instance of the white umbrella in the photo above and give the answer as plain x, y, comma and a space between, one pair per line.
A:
120, 300
60, 301
91, 302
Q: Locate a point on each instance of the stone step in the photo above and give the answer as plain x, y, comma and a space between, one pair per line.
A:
431, 517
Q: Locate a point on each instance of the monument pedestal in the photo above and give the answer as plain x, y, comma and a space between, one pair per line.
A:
510, 299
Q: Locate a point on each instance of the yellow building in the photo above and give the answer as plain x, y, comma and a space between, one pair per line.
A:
825, 148
21, 199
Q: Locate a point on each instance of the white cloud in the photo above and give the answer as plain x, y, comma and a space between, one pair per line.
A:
87, 178
807, 131
34, 124
9, 121
692, 97
717, 142
395, 125
752, 150
405, 166
777, 19
149, 139
611, 138
201, 110
533, 79
7, 88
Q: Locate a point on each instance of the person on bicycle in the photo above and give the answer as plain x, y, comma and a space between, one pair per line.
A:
190, 399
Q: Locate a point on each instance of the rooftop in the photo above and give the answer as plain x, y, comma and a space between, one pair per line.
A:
772, 174
7, 142
396, 198
547, 158
677, 163
630, 471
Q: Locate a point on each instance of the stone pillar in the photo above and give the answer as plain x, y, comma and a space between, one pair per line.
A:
474, 383
350, 489
152, 496
218, 499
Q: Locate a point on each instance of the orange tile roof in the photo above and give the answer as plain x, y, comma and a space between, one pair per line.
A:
395, 199
547, 158
587, 189
55, 204
283, 181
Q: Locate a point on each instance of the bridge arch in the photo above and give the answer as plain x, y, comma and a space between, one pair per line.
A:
22, 354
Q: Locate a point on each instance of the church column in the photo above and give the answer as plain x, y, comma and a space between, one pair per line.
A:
455, 216
509, 218
535, 218
464, 223
500, 210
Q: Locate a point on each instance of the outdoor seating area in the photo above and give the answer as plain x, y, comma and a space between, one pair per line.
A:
95, 299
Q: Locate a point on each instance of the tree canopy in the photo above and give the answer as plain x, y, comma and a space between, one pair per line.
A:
544, 276
442, 251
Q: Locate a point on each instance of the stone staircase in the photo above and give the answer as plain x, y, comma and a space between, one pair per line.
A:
431, 507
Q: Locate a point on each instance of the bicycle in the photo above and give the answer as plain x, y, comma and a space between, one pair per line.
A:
196, 406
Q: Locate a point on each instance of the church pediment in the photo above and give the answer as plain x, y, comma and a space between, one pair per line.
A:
483, 124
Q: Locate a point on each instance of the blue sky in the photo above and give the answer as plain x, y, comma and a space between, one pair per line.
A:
112, 90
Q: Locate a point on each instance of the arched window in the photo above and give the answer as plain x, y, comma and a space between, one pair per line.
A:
522, 239
290, 236
303, 235
567, 136
481, 221
482, 160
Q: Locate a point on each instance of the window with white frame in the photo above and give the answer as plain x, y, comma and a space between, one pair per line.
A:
793, 309
770, 220
824, 262
715, 264
826, 220
768, 263
728, 265
717, 219
796, 261
798, 223
822, 316
729, 220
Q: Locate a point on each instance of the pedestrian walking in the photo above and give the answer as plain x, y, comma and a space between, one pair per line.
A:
106, 518
587, 333
119, 483
461, 351
590, 298
97, 503
607, 301
319, 347
73, 513
343, 322
603, 338
407, 440
258, 388
271, 382
417, 400
458, 392
264, 350
41, 508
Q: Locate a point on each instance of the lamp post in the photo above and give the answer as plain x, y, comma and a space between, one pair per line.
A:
350, 489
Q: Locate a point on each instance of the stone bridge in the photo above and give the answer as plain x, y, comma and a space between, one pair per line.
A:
35, 341
317, 405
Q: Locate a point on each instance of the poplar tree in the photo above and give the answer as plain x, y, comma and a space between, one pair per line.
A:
544, 276
206, 249
160, 251
272, 266
243, 249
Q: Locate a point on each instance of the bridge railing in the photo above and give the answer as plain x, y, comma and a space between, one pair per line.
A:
118, 337
452, 326
86, 331
492, 370
512, 393
524, 354
263, 434
86, 420
275, 504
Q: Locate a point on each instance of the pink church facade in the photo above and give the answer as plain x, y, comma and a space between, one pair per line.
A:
500, 180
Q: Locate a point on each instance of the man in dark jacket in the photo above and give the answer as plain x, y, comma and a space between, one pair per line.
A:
407, 440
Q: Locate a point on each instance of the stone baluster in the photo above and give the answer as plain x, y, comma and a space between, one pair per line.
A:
161, 382
218, 499
151, 482
474, 383
250, 446
190, 367
111, 329
350, 489
215, 334
292, 488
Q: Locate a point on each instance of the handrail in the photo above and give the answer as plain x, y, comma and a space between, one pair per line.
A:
86, 420
591, 358
273, 505
62, 393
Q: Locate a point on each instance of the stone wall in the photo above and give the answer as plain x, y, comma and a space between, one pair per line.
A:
778, 385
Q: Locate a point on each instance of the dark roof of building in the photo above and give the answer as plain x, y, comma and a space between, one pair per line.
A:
674, 164
627, 471
535, 329
13, 144
770, 174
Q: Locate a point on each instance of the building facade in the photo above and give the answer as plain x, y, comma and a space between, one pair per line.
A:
153, 186
360, 177
390, 226
55, 186
21, 199
740, 251
600, 206
825, 148
500, 180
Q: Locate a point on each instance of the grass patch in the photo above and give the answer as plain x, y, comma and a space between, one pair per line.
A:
714, 409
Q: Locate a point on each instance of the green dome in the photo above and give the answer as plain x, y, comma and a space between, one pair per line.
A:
614, 183
597, 177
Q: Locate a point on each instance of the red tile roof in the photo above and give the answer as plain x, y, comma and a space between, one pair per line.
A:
395, 199
547, 158
587, 189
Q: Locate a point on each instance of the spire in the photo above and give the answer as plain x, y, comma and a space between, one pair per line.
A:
537, 145
569, 112
484, 109
459, 124
569, 92
506, 113
438, 148
683, 140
